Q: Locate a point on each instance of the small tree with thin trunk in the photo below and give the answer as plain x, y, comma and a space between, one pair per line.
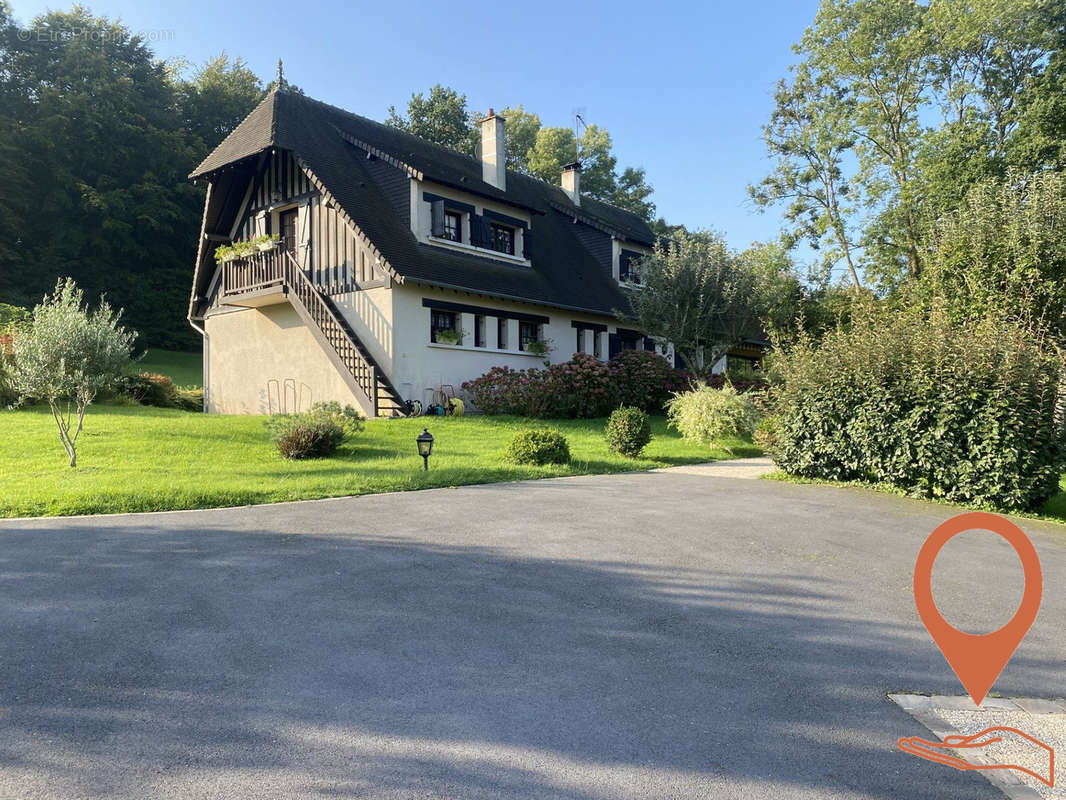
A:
696, 294
66, 354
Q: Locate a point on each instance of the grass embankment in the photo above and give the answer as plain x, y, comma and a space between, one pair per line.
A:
1053, 510
185, 369
133, 458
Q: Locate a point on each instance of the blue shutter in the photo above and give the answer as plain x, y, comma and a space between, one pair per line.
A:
437, 209
527, 243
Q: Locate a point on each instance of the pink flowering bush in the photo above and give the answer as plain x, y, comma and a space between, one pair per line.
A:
503, 390
581, 387
645, 380
584, 386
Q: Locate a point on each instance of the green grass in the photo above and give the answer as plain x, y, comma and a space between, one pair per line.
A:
1054, 510
134, 458
185, 369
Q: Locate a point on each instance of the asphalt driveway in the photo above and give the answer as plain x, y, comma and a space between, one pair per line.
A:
639, 636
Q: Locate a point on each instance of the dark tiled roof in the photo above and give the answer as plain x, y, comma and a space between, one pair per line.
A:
564, 272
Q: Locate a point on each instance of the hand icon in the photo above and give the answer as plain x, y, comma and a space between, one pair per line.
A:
943, 752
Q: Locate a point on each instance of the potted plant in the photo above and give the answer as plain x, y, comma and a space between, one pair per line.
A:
224, 253
450, 337
540, 347
266, 242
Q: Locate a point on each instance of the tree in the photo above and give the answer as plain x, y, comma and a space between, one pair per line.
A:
597, 163
697, 295
440, 117
875, 52
632, 191
531, 148
1040, 141
552, 149
1003, 249
779, 296
908, 105
218, 98
66, 354
102, 151
809, 137
522, 128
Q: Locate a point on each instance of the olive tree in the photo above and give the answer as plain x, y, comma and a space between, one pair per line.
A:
68, 353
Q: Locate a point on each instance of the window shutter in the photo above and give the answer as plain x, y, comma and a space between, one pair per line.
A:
437, 208
480, 232
527, 243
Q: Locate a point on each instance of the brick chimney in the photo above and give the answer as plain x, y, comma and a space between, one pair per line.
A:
572, 181
493, 153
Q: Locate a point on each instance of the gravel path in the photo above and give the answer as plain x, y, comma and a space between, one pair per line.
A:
1048, 728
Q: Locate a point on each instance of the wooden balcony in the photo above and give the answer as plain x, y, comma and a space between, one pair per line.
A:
256, 280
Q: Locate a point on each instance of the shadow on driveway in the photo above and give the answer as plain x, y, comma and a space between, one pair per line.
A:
160, 658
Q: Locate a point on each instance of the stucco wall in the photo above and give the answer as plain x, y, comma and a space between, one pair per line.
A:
369, 313
264, 360
421, 367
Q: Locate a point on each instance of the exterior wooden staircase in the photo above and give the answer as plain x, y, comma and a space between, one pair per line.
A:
272, 271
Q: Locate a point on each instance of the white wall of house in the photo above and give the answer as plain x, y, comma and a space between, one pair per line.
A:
370, 314
265, 360
420, 367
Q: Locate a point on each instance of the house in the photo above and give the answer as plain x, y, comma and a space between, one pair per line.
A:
402, 266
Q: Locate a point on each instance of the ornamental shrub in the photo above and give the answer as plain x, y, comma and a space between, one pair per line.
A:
8, 393
705, 414
538, 446
645, 380
149, 389
316, 433
503, 390
580, 387
959, 410
628, 431
753, 383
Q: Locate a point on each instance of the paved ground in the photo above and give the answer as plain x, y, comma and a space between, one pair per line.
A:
641, 636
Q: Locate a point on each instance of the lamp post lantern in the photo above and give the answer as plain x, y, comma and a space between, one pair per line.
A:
425, 447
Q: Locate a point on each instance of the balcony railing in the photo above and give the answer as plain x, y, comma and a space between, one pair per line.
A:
255, 272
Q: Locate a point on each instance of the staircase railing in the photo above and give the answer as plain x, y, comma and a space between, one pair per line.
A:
277, 267
335, 331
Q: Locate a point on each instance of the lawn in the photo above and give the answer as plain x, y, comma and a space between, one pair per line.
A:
185, 369
135, 458
1053, 509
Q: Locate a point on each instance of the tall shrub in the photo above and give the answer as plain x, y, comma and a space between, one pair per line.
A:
66, 354
965, 411
580, 387
705, 414
645, 380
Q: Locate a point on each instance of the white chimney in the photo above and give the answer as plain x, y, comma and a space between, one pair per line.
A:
572, 181
493, 154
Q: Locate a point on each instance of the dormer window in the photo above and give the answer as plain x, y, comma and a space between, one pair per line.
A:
453, 226
627, 263
503, 238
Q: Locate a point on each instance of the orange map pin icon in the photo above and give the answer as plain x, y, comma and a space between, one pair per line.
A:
978, 658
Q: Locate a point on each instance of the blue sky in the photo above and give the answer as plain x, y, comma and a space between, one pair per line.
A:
683, 88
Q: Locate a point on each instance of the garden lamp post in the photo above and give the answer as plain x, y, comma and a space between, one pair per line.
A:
425, 447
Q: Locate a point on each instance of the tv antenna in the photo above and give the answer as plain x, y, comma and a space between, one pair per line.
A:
579, 121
